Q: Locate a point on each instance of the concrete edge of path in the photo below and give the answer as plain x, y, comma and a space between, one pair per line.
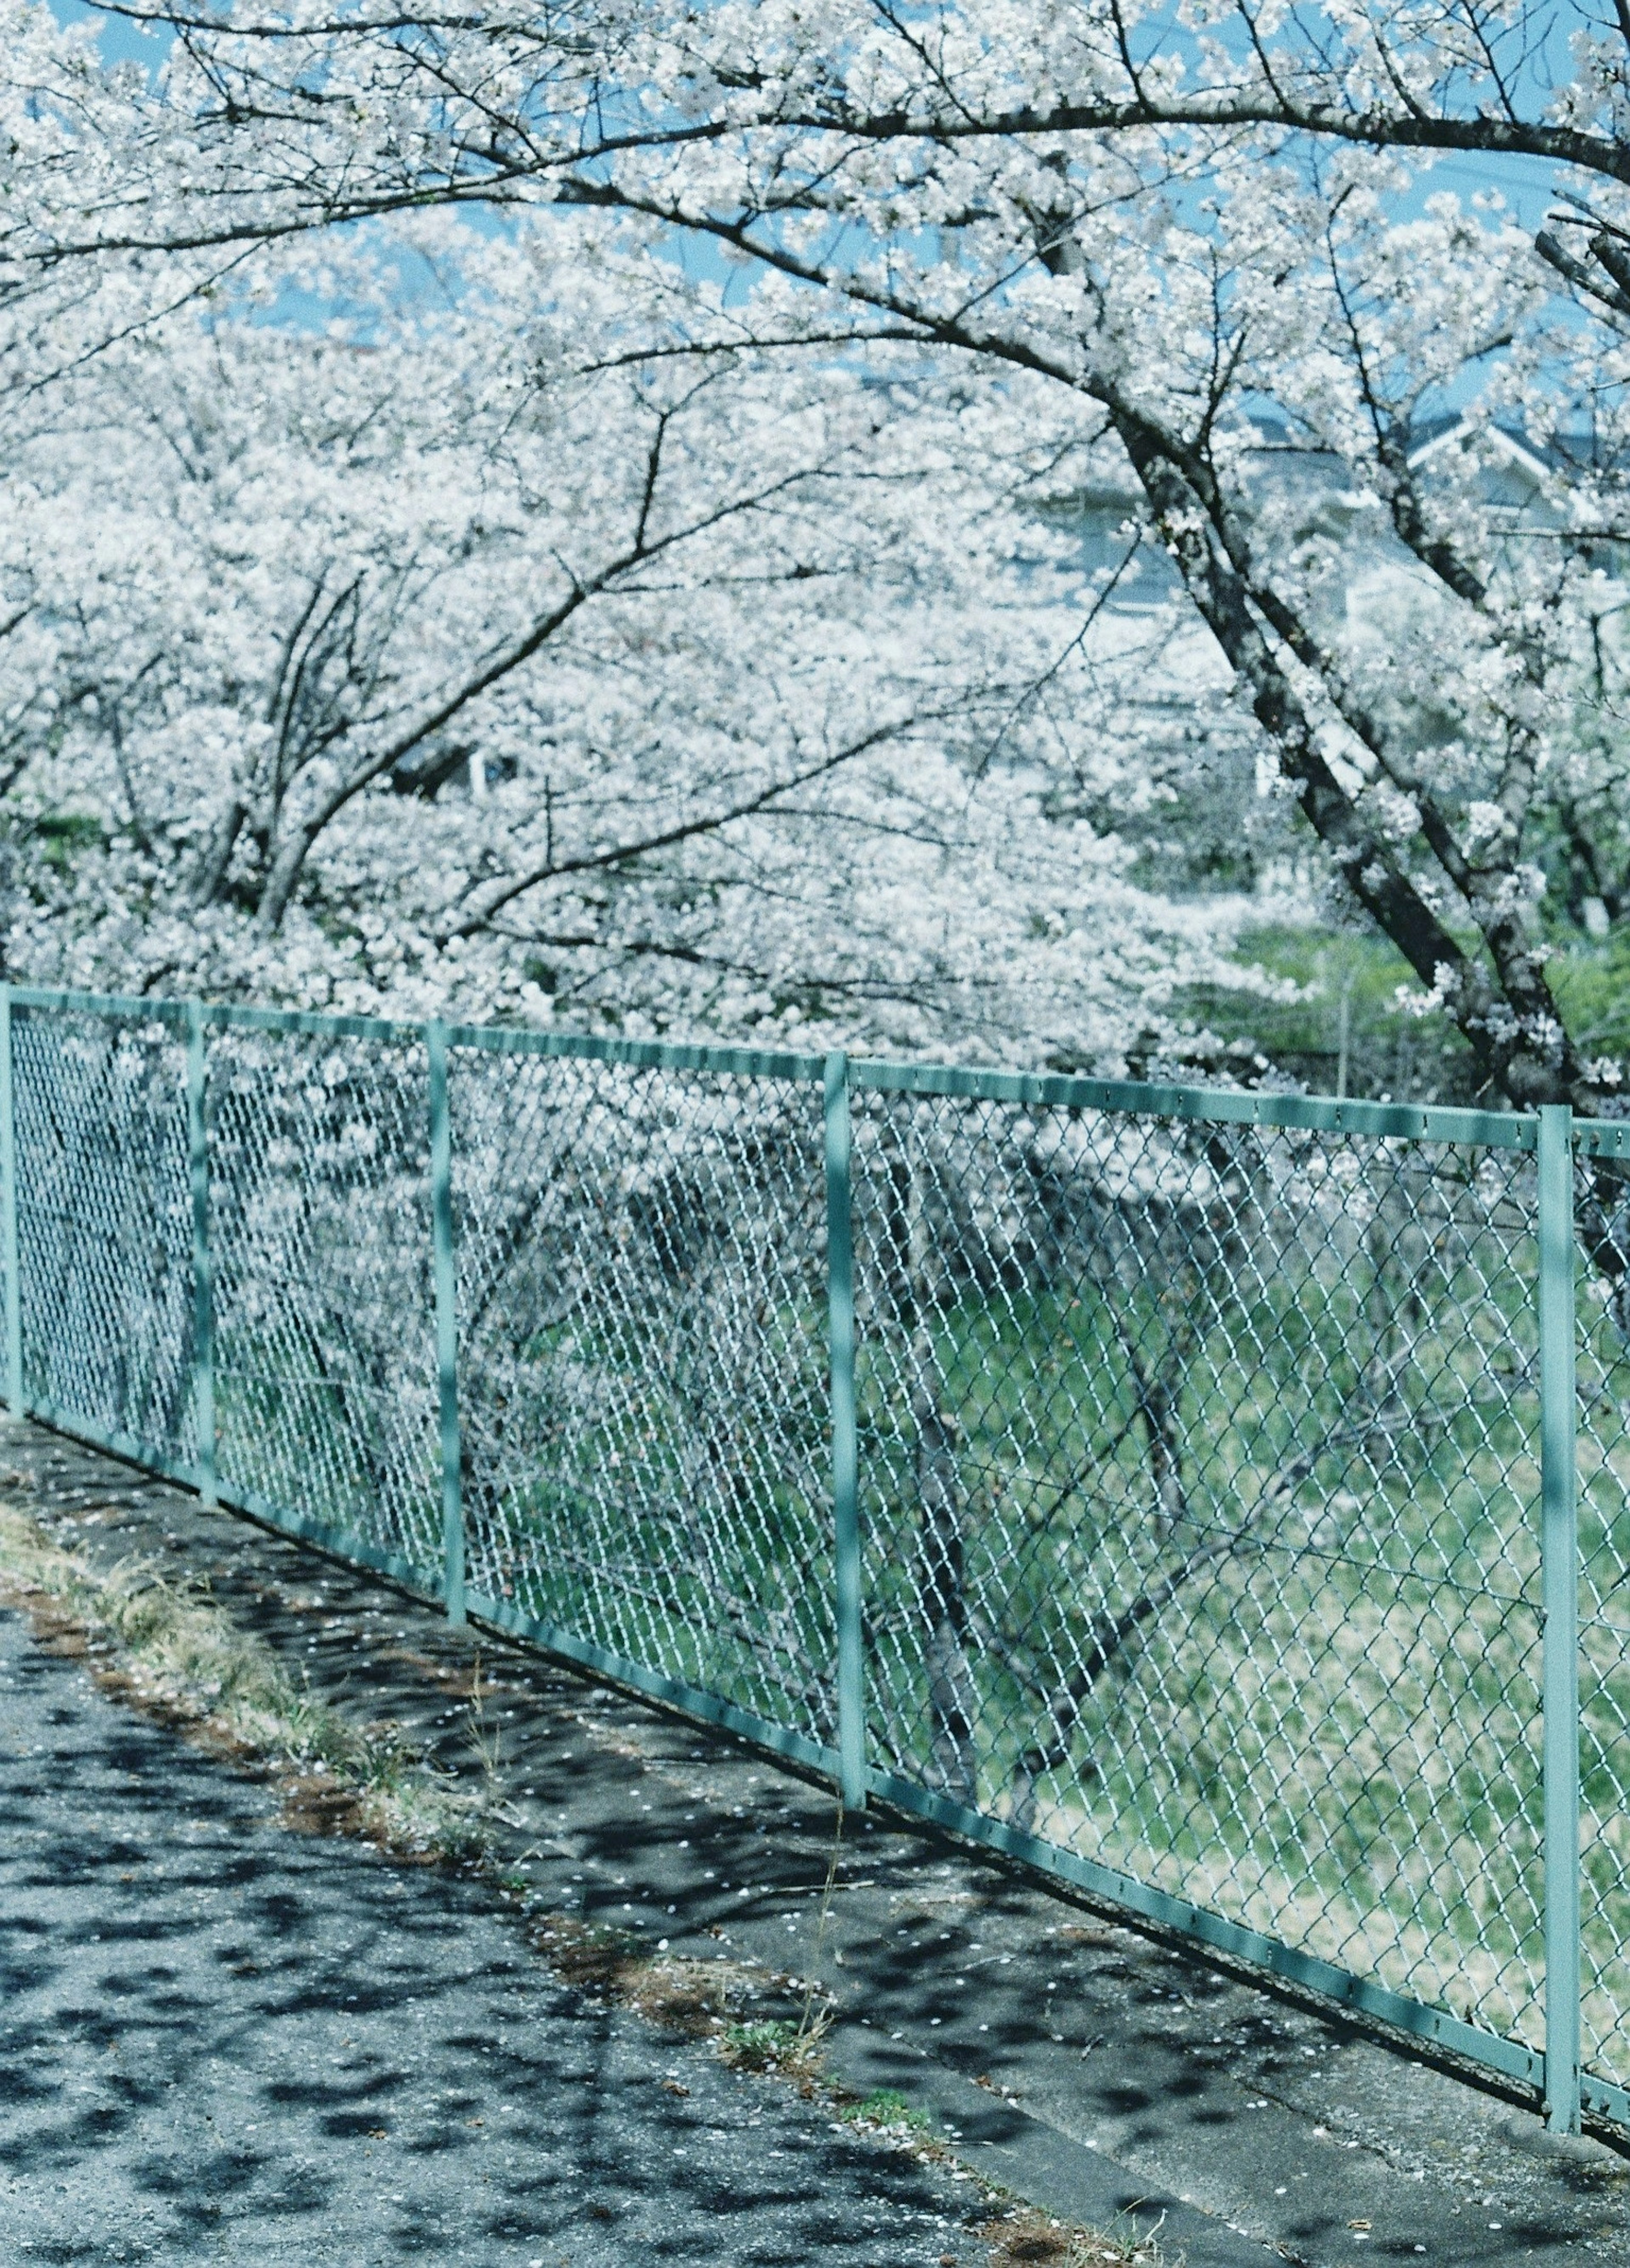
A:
1038, 2164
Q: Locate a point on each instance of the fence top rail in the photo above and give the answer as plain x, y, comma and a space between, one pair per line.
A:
1602, 1138
747, 1063
1212, 1105
1498, 1129
664, 1055
318, 1027
217, 1013
98, 1003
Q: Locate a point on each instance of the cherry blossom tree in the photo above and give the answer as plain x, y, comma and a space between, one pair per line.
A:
1179, 222
538, 641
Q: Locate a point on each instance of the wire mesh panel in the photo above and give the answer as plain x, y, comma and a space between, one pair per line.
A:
104, 1222
1603, 1213
1199, 1453
325, 1370
1199, 1466
642, 1326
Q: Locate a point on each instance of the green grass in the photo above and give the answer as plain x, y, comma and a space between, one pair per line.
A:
680, 1518
886, 2106
770, 2044
1328, 1731
1592, 987
1391, 1049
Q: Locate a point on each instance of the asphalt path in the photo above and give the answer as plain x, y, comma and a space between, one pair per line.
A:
1121, 2080
222, 2040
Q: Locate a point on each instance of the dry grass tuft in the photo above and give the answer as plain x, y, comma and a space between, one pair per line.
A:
700, 2000
1027, 2238
690, 1995
169, 1648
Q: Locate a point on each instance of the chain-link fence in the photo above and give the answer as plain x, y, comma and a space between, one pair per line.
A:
1189, 1493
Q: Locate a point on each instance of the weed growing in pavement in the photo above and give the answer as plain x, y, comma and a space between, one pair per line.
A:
821, 1921
768, 2045
175, 1650
886, 2109
486, 1739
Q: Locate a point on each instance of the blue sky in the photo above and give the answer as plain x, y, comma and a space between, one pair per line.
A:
1528, 187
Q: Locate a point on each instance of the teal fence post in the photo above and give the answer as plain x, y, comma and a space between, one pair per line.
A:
1560, 1599
446, 1324
203, 1276
845, 1464
10, 1244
